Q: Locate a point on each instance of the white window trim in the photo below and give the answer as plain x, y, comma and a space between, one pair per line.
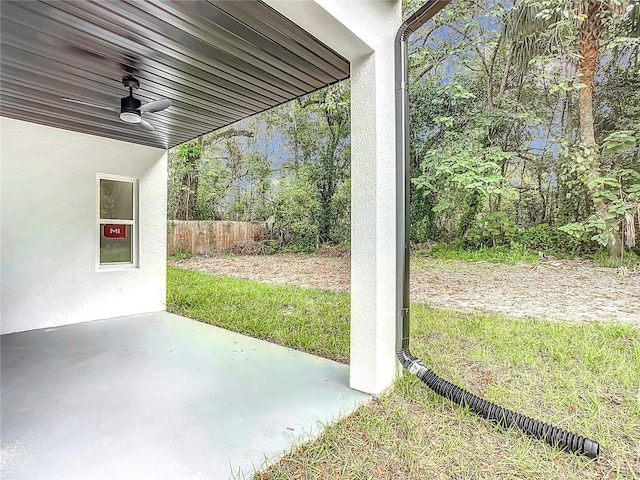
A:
134, 264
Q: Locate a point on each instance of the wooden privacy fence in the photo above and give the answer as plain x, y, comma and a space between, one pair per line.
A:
205, 237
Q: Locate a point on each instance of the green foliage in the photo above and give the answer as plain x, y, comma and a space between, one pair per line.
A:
495, 229
630, 260
289, 167
340, 226
423, 218
578, 161
296, 209
206, 174
619, 142
316, 132
495, 138
619, 201
189, 150
462, 172
548, 239
469, 169
180, 255
502, 254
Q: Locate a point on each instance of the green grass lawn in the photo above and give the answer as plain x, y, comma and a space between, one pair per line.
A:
314, 321
501, 254
584, 378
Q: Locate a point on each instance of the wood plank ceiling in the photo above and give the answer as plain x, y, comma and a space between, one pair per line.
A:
217, 61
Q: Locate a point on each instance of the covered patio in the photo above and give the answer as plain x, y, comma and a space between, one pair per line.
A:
159, 396
66, 68
98, 381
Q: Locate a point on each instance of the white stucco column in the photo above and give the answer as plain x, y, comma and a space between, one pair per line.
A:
364, 31
373, 233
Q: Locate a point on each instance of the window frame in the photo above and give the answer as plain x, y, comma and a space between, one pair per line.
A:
134, 263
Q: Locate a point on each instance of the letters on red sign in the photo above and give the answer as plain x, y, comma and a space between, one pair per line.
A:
115, 231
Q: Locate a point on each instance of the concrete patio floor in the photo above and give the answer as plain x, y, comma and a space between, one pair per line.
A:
158, 396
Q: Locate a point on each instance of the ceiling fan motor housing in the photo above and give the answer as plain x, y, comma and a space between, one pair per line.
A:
130, 109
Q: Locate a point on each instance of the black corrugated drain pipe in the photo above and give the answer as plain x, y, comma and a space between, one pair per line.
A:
555, 436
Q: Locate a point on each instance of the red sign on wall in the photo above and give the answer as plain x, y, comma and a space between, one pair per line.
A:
115, 231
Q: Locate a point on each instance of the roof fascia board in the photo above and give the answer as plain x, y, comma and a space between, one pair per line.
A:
336, 23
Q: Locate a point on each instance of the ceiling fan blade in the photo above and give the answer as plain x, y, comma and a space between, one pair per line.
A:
104, 107
156, 105
144, 125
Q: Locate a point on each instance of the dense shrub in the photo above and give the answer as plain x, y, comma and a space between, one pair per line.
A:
423, 219
495, 229
546, 238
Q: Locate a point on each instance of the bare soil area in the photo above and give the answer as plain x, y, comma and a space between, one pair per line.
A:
568, 290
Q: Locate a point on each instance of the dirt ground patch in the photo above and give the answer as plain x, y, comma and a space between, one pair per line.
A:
564, 290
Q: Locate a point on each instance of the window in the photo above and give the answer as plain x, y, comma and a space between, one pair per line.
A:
117, 221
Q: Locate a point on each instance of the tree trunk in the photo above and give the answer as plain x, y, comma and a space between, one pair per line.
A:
569, 127
590, 45
589, 57
543, 200
585, 103
507, 68
187, 208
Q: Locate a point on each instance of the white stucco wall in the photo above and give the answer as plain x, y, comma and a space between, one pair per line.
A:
363, 31
48, 273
